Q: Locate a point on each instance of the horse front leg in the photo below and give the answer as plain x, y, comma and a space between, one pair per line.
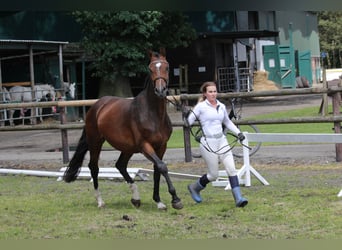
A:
161, 168
22, 116
176, 201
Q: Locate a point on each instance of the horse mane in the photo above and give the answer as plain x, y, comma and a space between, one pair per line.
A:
148, 81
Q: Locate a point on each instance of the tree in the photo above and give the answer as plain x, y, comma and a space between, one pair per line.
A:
330, 35
118, 41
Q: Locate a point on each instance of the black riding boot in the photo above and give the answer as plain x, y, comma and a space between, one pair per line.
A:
195, 188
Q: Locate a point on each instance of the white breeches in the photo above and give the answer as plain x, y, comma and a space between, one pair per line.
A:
220, 153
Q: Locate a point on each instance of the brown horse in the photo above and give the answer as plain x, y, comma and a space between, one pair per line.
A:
138, 125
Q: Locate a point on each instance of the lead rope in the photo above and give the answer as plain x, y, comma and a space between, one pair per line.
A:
199, 133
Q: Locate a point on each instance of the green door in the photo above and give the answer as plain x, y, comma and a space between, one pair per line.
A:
271, 62
280, 64
304, 65
287, 66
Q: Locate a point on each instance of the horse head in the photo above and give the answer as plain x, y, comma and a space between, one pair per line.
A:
159, 72
6, 97
69, 89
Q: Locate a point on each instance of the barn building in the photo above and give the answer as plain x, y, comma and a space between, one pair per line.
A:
229, 49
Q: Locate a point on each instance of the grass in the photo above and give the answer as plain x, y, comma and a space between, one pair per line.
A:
300, 203
294, 128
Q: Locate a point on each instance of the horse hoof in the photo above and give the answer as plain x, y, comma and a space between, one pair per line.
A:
136, 203
101, 205
177, 205
161, 206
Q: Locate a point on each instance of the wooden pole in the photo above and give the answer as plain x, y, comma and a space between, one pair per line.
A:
0, 77
337, 125
187, 142
324, 105
61, 77
64, 136
33, 110
64, 132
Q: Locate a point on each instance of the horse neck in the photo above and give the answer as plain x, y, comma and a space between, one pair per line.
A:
153, 101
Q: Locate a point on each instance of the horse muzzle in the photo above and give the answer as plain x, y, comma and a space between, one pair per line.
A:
160, 87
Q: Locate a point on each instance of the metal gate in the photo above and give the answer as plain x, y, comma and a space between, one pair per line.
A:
228, 82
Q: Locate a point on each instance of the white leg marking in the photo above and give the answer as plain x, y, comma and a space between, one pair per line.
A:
161, 206
100, 202
135, 191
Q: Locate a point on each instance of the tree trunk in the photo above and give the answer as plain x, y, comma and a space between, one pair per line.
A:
118, 86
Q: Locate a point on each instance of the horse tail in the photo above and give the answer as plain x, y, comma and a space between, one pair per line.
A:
75, 163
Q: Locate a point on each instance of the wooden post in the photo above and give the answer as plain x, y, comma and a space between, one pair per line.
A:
323, 110
33, 110
0, 77
186, 136
337, 125
64, 135
64, 132
61, 77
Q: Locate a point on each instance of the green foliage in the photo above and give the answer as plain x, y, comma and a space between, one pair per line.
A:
330, 36
119, 41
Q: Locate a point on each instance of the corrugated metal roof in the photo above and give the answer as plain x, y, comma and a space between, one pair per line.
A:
240, 34
14, 48
11, 41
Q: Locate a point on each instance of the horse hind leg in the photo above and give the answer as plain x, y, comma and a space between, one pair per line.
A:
156, 181
121, 165
11, 114
2, 117
94, 171
40, 114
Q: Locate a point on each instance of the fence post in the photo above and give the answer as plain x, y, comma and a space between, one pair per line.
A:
336, 99
186, 136
323, 110
64, 135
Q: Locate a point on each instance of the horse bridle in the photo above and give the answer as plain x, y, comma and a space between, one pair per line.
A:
158, 64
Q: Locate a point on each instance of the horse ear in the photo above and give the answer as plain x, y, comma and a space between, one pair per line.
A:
149, 53
162, 51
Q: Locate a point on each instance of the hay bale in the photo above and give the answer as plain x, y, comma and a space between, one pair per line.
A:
261, 82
